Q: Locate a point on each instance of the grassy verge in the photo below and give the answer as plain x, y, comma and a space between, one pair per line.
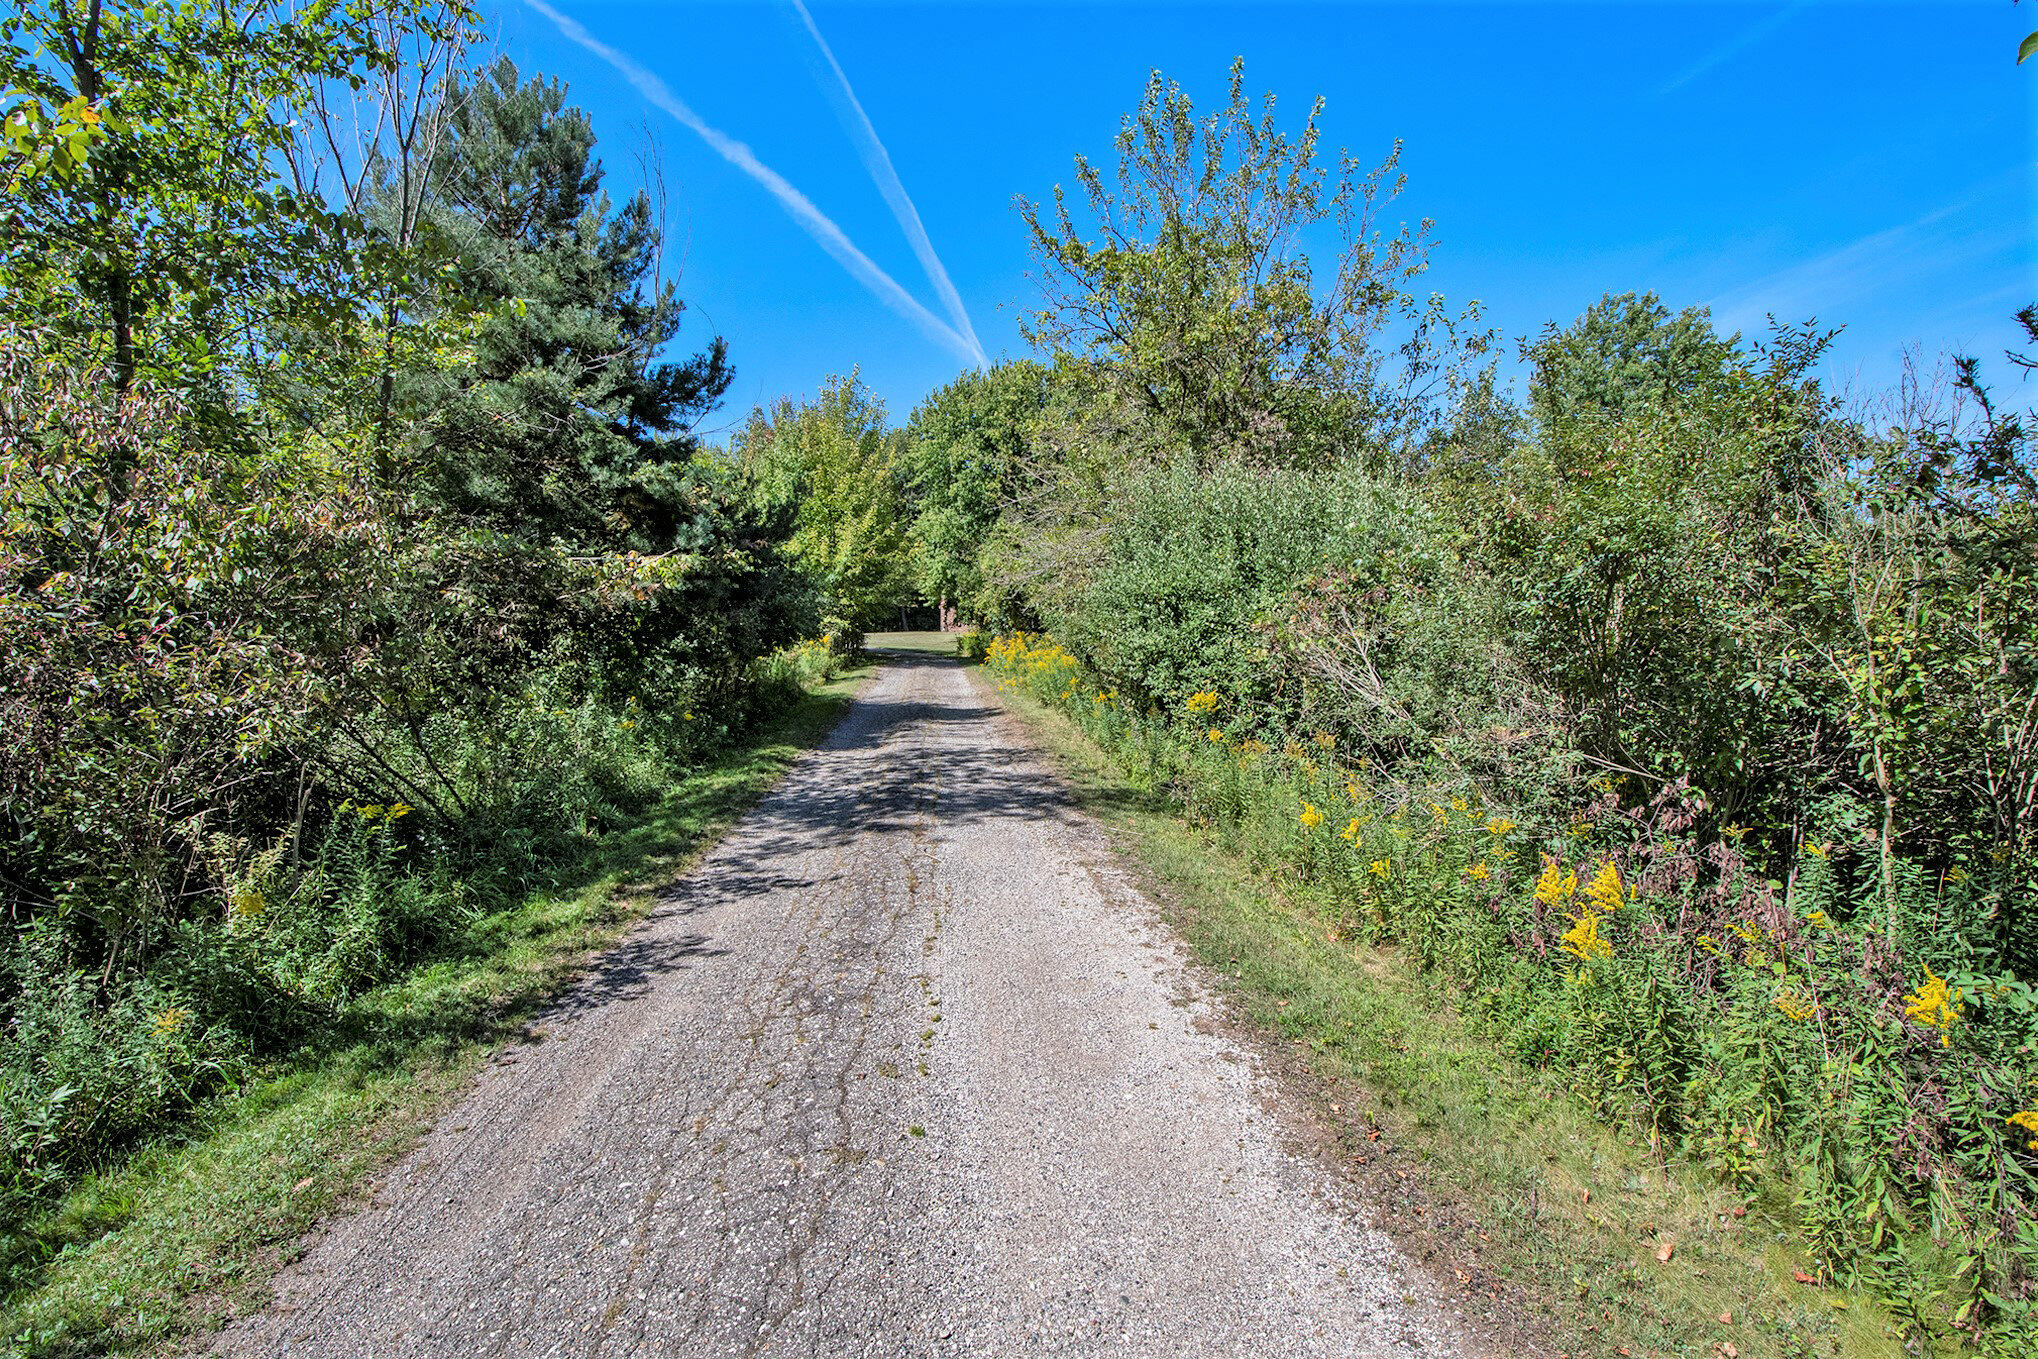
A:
185, 1234
1575, 1238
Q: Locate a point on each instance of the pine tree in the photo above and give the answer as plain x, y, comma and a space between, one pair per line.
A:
570, 428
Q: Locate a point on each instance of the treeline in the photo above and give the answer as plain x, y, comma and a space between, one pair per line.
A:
1682, 717
359, 564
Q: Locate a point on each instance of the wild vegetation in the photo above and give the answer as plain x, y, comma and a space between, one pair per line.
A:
362, 572
1684, 719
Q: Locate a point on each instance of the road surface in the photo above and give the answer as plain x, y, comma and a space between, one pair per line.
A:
904, 1067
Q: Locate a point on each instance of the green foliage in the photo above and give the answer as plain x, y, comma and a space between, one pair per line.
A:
1625, 355
1189, 304
567, 428
144, 222
357, 569
832, 467
965, 461
1757, 671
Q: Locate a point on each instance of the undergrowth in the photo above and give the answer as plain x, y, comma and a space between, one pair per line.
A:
1881, 1112
184, 1228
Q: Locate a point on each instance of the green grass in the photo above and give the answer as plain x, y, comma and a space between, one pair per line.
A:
186, 1233
932, 643
1507, 1190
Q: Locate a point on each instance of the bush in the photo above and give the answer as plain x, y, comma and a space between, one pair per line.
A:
1885, 1087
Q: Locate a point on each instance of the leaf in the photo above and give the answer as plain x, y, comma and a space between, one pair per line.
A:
2026, 48
1803, 1277
1665, 1251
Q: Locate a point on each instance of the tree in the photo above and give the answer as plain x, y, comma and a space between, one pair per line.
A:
1624, 354
833, 466
1191, 304
142, 218
965, 460
570, 427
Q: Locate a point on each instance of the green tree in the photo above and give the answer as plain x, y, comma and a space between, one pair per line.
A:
570, 426
142, 220
835, 468
965, 458
1624, 354
1189, 302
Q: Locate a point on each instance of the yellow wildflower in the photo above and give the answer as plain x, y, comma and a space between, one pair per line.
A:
1379, 868
1816, 851
1606, 892
1311, 817
1796, 1006
1325, 740
1351, 832
2028, 1121
369, 812
1351, 790
1216, 736
248, 901
167, 1022
1480, 872
1499, 825
397, 809
1555, 887
1459, 804
1583, 939
1935, 1006
1202, 702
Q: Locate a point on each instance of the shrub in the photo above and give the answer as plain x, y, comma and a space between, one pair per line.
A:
1883, 1086
973, 645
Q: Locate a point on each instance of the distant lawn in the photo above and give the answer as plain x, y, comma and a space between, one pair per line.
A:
185, 1234
932, 643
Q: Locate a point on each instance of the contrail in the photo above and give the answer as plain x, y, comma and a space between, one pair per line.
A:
879, 162
825, 233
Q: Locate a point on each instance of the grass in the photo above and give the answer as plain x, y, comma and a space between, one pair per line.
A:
932, 643
185, 1234
1511, 1194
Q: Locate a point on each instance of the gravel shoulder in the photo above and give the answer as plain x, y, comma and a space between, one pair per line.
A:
905, 1066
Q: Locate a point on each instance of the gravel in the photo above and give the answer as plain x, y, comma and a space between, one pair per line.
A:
904, 1067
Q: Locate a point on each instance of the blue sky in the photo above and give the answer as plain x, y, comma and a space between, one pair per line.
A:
1873, 164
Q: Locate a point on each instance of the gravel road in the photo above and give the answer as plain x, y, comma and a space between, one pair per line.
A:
904, 1067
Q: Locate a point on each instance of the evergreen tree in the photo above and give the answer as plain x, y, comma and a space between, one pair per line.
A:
570, 428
